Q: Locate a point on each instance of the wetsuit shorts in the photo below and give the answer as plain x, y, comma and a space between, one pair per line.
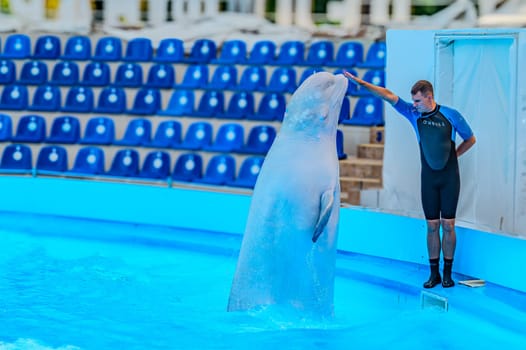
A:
440, 188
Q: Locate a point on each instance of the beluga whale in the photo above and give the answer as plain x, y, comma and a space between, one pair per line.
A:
288, 252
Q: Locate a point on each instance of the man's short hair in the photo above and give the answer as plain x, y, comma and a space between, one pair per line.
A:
422, 86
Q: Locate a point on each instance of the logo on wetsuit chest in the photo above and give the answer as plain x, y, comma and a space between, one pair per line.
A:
439, 124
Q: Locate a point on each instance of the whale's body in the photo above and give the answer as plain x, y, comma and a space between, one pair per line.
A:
288, 252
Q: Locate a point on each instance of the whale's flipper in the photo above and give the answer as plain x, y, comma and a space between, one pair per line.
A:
326, 203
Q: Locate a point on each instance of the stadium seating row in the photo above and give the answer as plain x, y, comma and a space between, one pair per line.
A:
230, 137
112, 100
163, 76
90, 161
199, 136
46, 98
320, 53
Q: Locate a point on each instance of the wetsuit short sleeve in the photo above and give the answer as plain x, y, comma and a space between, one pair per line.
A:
459, 123
405, 108
409, 112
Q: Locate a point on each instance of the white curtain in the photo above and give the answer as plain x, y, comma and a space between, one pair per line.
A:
484, 90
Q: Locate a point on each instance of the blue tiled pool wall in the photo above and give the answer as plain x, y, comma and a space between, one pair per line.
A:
496, 258
58, 91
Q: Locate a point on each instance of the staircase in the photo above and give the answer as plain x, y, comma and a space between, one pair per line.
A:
363, 171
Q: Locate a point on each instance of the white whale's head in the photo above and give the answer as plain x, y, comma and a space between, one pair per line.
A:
316, 104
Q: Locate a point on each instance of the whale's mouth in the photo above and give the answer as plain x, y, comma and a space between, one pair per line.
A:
319, 97
338, 90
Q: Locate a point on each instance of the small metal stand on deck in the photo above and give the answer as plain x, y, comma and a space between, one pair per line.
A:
431, 300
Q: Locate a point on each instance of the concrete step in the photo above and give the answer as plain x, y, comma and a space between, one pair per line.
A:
359, 183
361, 168
377, 134
371, 151
351, 196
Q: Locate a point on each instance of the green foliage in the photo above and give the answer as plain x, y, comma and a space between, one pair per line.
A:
5, 7
426, 10
318, 6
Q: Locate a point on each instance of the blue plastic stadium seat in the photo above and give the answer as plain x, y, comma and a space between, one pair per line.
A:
348, 55
188, 167
137, 133
271, 107
376, 56
46, 98
224, 78
248, 172
211, 104
240, 106
89, 160
307, 72
197, 136
17, 46
47, 47
77, 48
320, 53
283, 80
14, 97
263, 52
65, 73
138, 50
65, 129
259, 140
229, 138
195, 77
7, 72
220, 170
233, 51
339, 145
125, 163
6, 128
156, 165
129, 75
253, 78
202, 51
52, 159
108, 48
373, 76
291, 52
96, 74
99, 131
33, 73
345, 112
17, 158
170, 50
367, 111
146, 102
161, 76
181, 103
79, 99
30, 128
167, 135
111, 100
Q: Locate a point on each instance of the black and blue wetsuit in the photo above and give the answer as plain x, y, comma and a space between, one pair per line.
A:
440, 180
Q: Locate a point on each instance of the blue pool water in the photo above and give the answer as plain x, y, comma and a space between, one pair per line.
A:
78, 284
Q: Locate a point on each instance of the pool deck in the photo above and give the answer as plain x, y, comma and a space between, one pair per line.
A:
504, 306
